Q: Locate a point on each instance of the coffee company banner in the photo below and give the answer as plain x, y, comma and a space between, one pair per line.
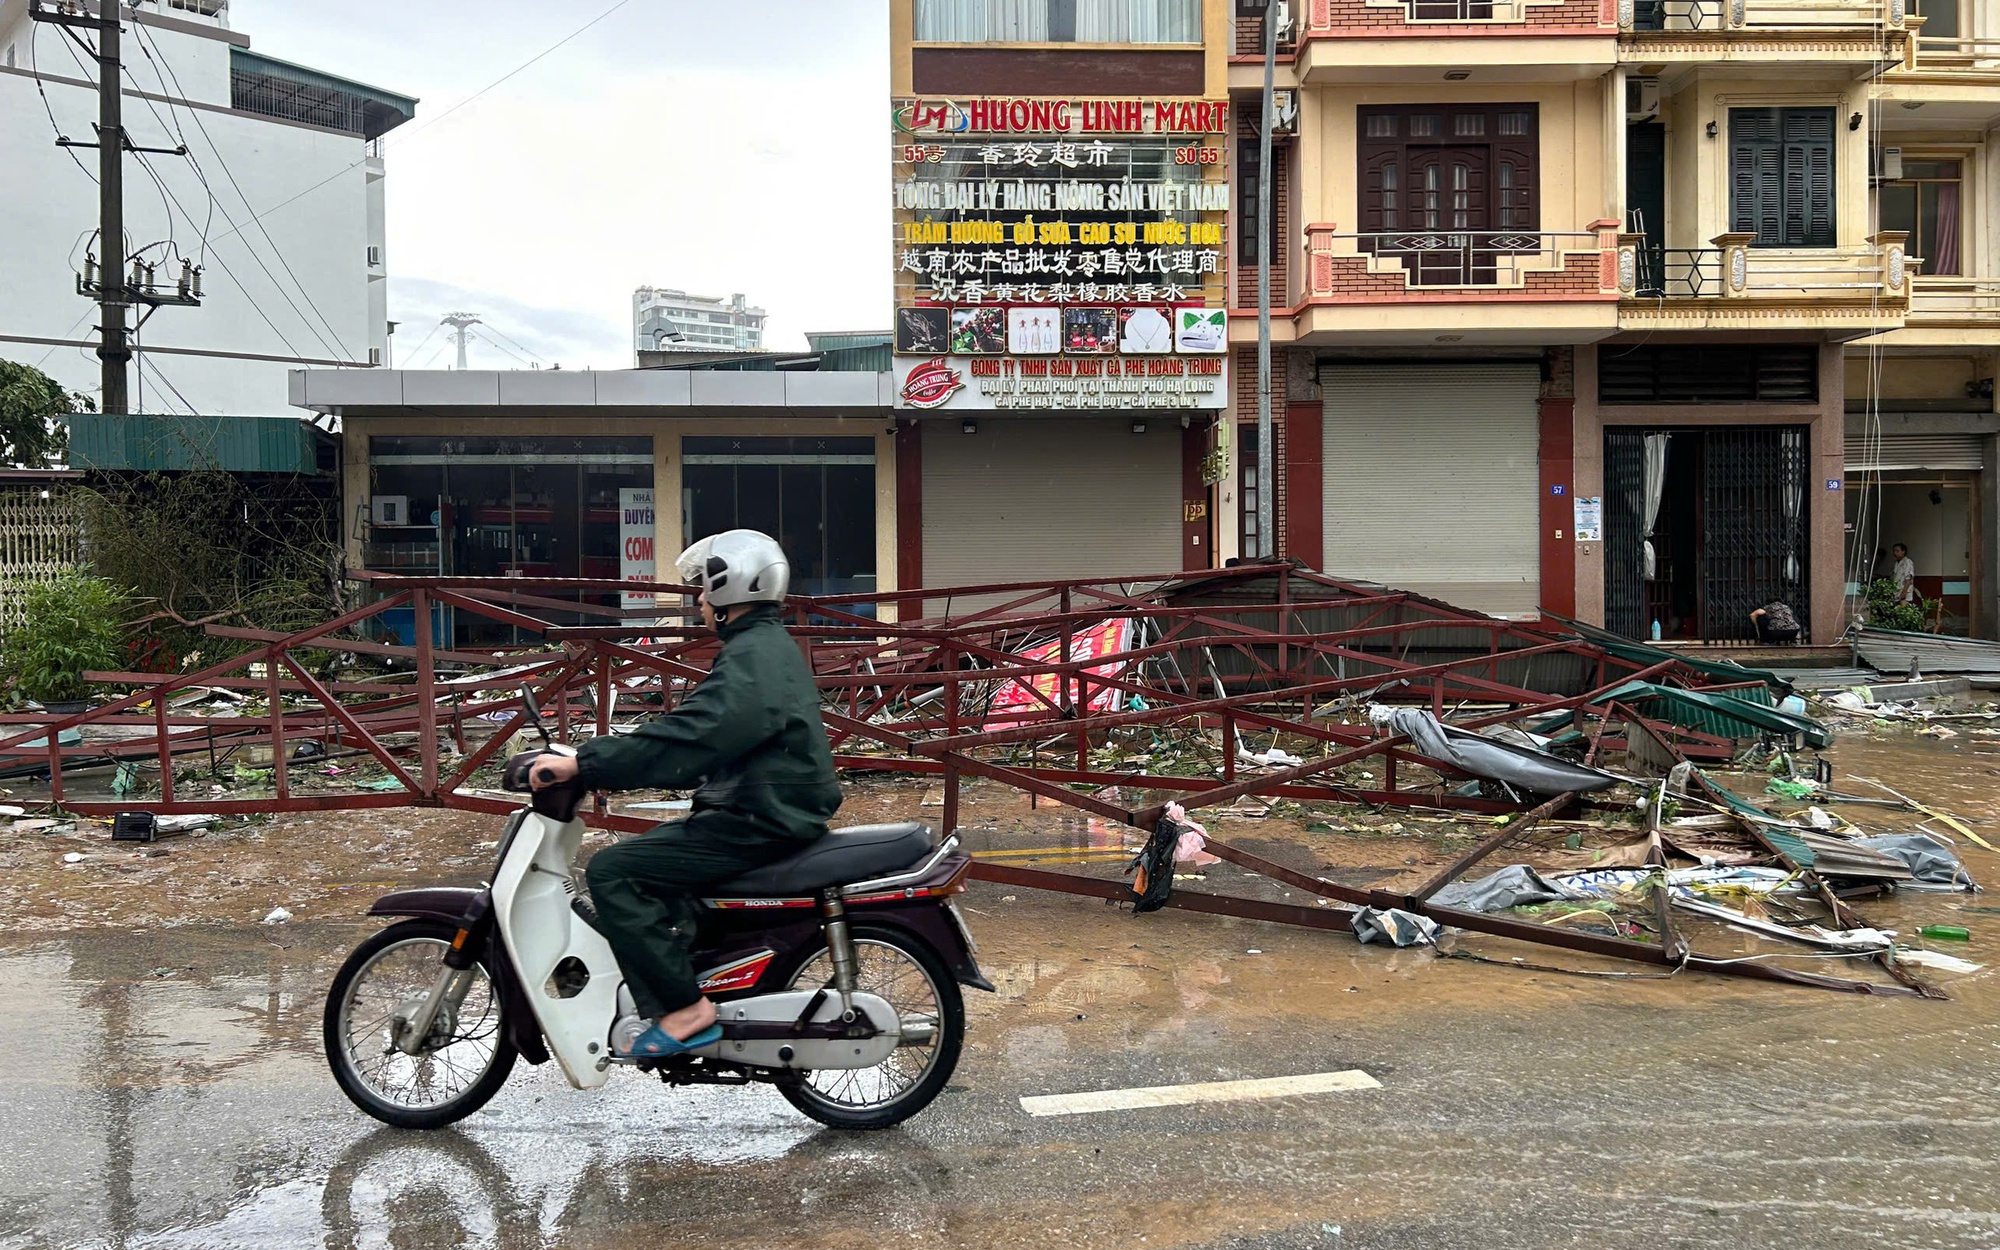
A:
1061, 253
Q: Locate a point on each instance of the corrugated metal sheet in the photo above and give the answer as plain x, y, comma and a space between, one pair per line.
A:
1915, 451
1891, 650
1550, 673
231, 444
1432, 481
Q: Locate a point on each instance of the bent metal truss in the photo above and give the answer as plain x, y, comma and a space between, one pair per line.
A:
1026, 684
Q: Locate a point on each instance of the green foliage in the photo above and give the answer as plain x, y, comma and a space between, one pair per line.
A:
208, 547
1885, 611
72, 624
32, 405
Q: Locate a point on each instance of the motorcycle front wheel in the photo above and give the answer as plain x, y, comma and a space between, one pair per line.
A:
910, 976
463, 1063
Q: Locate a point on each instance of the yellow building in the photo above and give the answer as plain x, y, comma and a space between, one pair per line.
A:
1564, 292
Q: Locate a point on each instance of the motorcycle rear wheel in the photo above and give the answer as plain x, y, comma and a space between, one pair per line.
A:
471, 1053
906, 972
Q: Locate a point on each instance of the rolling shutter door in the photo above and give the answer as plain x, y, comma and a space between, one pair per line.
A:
1915, 451
1433, 484
1037, 499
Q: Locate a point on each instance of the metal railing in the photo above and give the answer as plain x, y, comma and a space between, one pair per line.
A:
1447, 259
1320, 17
1733, 268
1707, 15
1951, 53
1944, 299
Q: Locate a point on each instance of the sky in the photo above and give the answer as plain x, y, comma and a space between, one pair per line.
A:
713, 148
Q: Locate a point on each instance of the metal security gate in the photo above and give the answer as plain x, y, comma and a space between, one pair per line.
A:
1624, 533
1431, 477
1753, 526
1013, 499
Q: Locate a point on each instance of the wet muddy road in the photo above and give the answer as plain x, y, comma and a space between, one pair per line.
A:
163, 1087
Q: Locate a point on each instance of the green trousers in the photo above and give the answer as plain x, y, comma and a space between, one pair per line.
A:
645, 890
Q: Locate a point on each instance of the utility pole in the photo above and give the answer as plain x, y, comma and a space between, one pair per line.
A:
1267, 542
113, 292
460, 322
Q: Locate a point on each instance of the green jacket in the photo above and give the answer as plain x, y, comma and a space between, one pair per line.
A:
749, 736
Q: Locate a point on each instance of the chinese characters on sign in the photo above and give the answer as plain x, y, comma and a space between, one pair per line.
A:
1032, 229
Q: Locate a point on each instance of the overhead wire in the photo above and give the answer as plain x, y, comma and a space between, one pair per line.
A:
495, 346
427, 338
335, 347
35, 68
503, 338
420, 128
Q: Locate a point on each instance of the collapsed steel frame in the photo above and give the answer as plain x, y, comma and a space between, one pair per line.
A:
909, 681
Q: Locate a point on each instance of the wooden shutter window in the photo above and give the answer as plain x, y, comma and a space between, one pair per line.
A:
1781, 175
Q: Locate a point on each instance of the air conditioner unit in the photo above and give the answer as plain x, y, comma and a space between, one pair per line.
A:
1642, 99
1886, 165
1281, 12
389, 509
375, 356
1284, 112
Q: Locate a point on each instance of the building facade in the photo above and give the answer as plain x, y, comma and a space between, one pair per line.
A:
280, 201
669, 321
1607, 286
1061, 199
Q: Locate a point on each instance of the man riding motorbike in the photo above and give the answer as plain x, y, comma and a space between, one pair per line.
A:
750, 737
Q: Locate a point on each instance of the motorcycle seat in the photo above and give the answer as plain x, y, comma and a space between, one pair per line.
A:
841, 857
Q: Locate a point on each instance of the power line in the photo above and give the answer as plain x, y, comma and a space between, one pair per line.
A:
147, 363
427, 338
453, 109
35, 66
496, 347
492, 331
336, 347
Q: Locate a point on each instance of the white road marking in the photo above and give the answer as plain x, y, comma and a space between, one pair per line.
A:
1207, 1091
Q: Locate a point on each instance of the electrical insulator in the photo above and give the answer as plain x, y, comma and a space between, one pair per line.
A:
187, 276
138, 273
197, 284
90, 271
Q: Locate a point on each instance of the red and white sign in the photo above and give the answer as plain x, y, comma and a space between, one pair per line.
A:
635, 542
930, 383
1014, 700
1016, 116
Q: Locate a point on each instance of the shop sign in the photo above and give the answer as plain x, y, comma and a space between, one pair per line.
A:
1111, 638
1172, 382
635, 542
1076, 262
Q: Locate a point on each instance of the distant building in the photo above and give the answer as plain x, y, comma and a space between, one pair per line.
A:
667, 320
280, 199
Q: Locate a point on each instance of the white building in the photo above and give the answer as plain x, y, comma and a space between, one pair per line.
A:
665, 320
279, 199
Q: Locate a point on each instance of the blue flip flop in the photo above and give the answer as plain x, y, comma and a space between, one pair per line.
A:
656, 1043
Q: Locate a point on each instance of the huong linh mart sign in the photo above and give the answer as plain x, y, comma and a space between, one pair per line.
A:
1039, 116
955, 384
1061, 254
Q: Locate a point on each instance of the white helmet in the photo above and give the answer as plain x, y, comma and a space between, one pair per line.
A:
737, 566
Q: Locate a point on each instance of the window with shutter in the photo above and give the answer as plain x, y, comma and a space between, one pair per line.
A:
1781, 176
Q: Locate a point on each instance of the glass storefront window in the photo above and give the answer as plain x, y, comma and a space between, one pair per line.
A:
502, 506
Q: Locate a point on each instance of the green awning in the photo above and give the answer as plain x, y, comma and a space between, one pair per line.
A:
150, 443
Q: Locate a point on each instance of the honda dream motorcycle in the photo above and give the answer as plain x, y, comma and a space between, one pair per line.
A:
835, 975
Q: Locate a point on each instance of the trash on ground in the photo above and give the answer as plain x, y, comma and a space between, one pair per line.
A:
1932, 864
1513, 886
1394, 926
1937, 960
278, 915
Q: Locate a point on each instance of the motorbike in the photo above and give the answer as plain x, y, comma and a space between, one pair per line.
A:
835, 974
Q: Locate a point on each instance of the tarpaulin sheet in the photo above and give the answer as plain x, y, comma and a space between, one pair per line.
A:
1520, 767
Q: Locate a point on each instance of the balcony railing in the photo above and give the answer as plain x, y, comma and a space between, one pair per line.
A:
1732, 269
1395, 263
1946, 54
1938, 300
1332, 17
1712, 15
